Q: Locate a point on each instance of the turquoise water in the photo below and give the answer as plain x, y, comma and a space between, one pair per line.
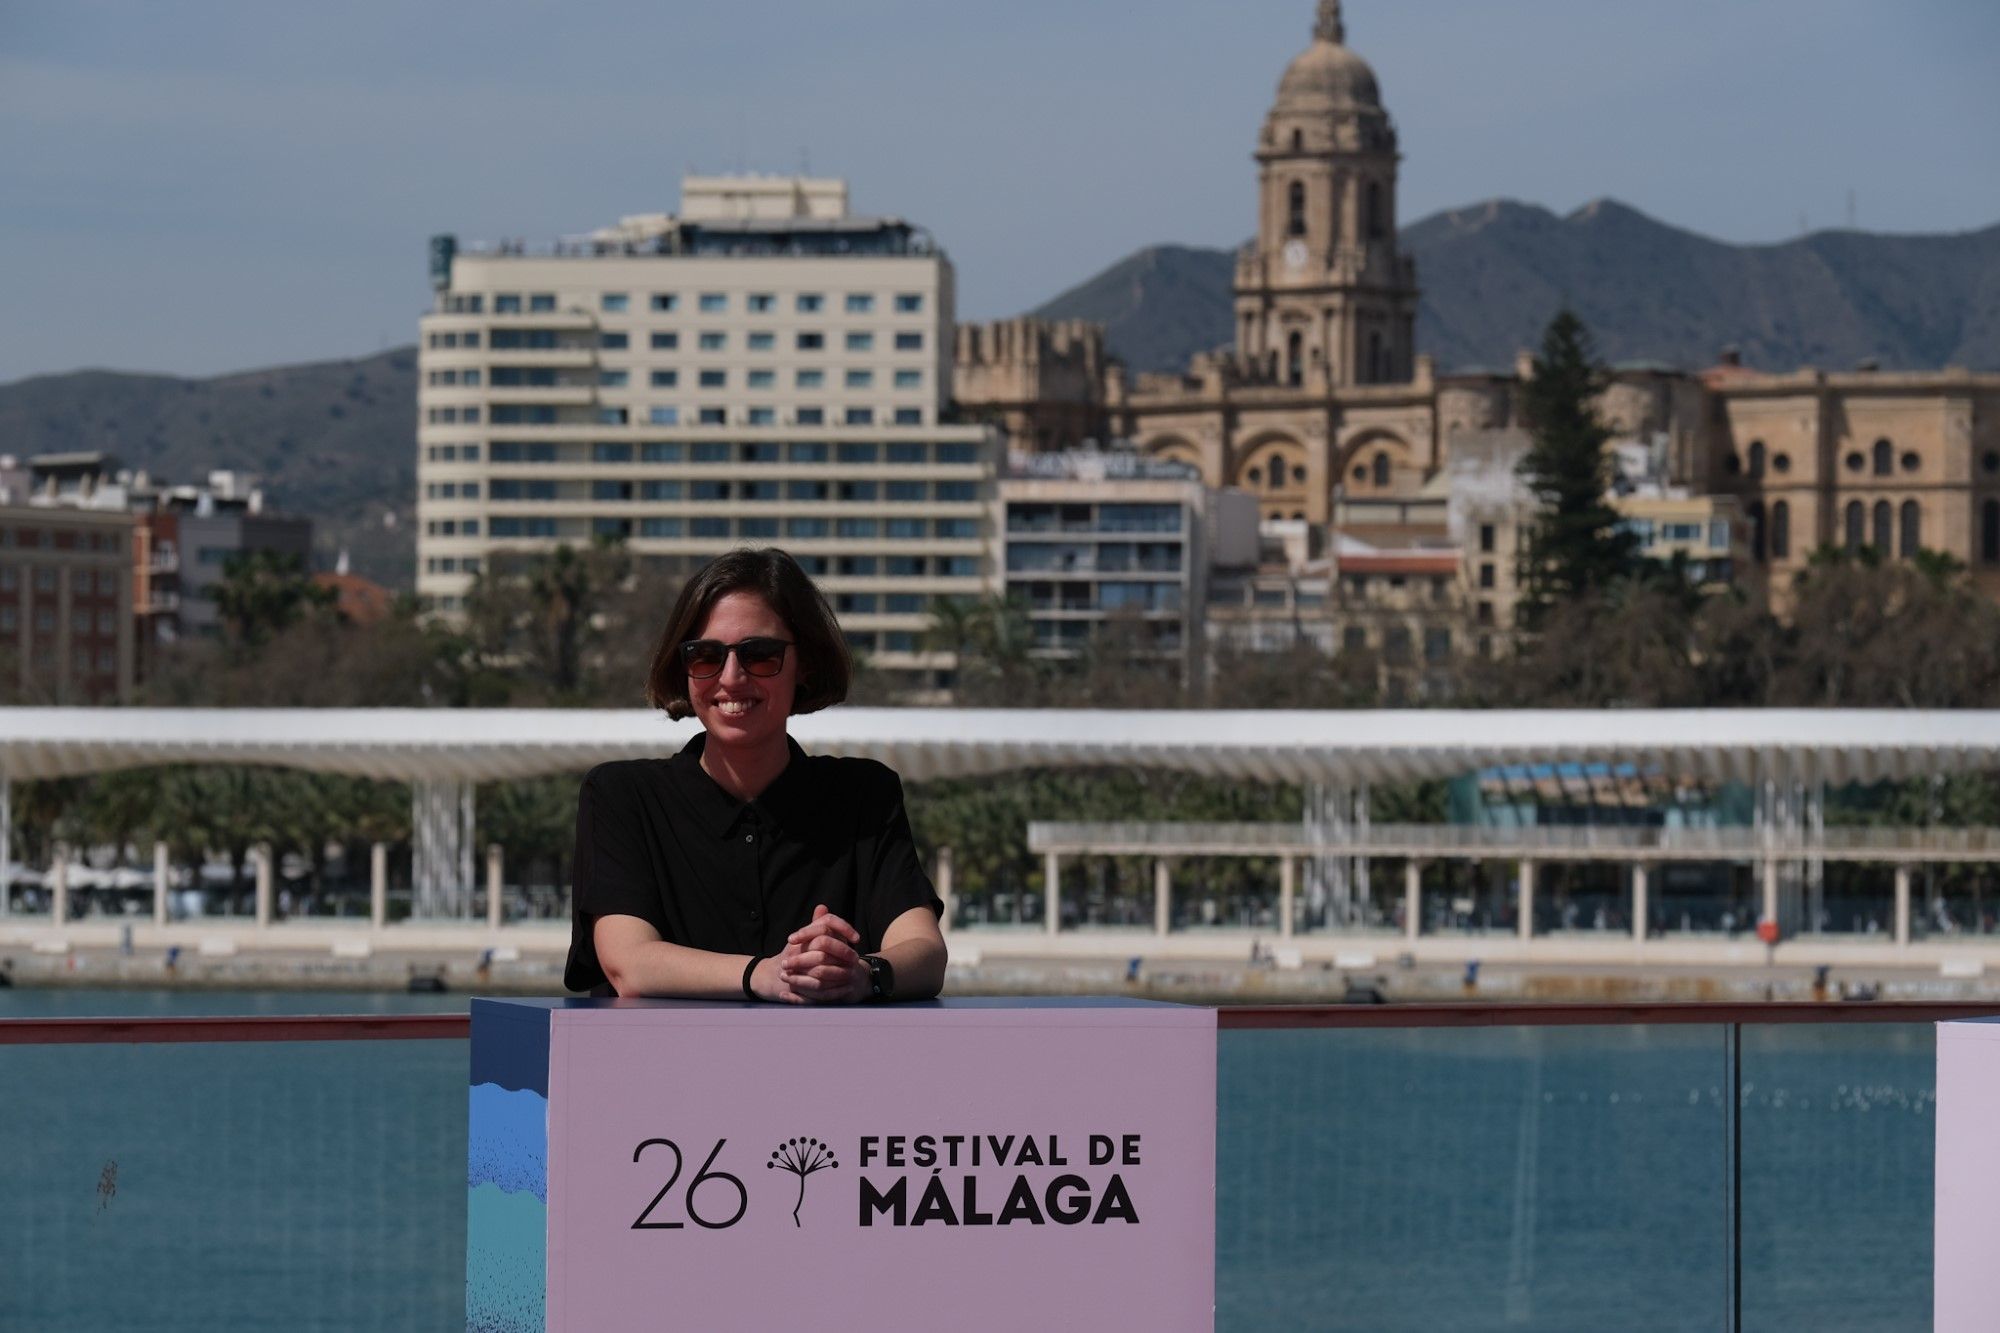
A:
1501, 1178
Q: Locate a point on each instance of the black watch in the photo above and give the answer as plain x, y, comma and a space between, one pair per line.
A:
881, 977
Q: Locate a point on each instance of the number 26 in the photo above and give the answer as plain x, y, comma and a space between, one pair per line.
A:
702, 1177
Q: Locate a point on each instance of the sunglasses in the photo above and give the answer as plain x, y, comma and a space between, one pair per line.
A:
705, 658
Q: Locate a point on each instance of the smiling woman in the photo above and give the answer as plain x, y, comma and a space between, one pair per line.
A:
743, 866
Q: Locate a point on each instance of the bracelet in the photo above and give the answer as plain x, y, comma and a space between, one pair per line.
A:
748, 968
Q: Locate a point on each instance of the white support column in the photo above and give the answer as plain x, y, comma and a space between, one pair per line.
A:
1902, 904
1163, 895
264, 859
1052, 893
944, 889
1287, 891
1640, 906
1526, 908
496, 907
378, 885
6, 844
1770, 874
162, 883
59, 889
1413, 898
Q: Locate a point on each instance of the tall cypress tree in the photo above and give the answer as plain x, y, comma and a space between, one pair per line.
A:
1575, 547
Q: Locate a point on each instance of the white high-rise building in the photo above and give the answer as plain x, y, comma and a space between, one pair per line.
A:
762, 369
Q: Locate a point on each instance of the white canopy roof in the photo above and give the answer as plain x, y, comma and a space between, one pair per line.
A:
1333, 747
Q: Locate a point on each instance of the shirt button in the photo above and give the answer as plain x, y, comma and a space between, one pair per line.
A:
749, 837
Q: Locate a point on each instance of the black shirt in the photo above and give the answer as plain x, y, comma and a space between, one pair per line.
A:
659, 839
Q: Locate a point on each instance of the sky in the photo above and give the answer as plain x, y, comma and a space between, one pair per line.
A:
206, 186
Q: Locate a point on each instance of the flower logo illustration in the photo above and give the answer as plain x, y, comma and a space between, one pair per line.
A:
801, 1157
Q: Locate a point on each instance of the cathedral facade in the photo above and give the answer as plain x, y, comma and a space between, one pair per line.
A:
1324, 393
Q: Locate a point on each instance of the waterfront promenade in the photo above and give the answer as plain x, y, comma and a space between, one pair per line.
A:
1347, 897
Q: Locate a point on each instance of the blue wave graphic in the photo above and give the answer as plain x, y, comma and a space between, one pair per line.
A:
507, 1145
506, 1262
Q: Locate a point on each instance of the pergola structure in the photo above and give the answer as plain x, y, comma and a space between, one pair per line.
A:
1787, 755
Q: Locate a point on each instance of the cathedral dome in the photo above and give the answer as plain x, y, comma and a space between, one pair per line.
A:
1327, 76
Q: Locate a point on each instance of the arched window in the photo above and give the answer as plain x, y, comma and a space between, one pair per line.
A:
1755, 511
1856, 522
1911, 530
1298, 141
1377, 222
1381, 470
1884, 540
1781, 530
1276, 472
1295, 355
1756, 458
1296, 197
1989, 532
1885, 457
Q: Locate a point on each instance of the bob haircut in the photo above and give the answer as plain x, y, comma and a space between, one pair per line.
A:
824, 666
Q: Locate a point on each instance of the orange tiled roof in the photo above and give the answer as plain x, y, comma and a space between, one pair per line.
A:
362, 601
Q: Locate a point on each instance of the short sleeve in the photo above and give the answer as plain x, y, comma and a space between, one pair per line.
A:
898, 882
610, 875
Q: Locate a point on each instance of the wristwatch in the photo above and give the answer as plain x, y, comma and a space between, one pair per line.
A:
881, 977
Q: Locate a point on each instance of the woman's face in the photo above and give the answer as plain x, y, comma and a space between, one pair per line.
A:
738, 709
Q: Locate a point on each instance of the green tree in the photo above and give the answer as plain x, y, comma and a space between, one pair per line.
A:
995, 645
1869, 633
541, 618
263, 592
1576, 545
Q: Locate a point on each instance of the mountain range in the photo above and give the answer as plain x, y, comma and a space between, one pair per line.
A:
336, 439
1492, 275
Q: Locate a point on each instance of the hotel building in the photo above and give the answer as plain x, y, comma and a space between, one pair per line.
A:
763, 368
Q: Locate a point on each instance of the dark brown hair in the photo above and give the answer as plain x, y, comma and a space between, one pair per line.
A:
772, 574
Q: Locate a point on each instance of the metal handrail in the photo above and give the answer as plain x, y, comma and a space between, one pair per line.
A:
286, 1027
1468, 1015
1238, 1018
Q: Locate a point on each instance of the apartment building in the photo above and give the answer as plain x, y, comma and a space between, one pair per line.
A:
66, 604
764, 368
1089, 541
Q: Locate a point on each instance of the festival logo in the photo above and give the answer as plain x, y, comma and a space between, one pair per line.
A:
801, 1157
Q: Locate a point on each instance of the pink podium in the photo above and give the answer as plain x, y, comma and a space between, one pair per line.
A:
968, 1164
1967, 1217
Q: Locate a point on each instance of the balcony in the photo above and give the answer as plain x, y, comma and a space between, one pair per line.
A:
1392, 1167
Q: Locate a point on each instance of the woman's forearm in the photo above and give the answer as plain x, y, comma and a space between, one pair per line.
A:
660, 969
919, 967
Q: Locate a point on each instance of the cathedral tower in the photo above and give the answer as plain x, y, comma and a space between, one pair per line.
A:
1323, 297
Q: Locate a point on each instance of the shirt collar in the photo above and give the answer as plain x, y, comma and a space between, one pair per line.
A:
719, 811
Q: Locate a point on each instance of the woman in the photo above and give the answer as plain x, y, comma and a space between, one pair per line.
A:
743, 867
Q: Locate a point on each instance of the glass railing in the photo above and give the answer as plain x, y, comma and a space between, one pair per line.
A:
1401, 1167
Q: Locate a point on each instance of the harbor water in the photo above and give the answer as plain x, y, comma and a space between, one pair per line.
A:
1561, 1178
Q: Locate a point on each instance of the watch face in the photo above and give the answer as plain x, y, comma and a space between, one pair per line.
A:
1295, 254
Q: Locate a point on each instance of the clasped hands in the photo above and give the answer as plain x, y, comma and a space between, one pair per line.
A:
821, 964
